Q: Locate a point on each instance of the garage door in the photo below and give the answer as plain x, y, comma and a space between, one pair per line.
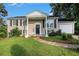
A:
66, 28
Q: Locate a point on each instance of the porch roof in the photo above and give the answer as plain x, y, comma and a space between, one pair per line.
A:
37, 13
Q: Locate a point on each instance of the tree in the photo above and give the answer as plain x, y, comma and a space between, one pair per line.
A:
69, 10
2, 22
66, 10
3, 12
3, 31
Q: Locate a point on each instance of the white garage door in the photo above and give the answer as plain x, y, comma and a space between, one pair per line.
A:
66, 27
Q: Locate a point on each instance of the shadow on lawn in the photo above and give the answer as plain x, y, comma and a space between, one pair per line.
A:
17, 50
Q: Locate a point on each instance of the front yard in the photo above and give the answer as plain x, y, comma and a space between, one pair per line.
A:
30, 47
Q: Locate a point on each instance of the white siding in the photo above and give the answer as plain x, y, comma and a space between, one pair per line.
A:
66, 27
51, 20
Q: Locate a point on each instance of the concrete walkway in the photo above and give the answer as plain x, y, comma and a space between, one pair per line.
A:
75, 46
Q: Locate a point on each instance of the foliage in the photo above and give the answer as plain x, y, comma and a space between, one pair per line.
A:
66, 10
67, 36
58, 32
15, 32
77, 32
53, 33
2, 22
64, 36
3, 11
3, 31
17, 50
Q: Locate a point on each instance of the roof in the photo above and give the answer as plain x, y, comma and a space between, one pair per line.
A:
17, 17
66, 19
37, 11
62, 19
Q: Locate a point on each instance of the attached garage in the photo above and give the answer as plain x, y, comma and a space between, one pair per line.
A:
66, 26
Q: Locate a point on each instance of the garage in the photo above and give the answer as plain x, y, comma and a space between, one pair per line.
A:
66, 27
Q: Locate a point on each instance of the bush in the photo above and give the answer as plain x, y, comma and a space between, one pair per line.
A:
15, 32
58, 32
53, 33
77, 32
69, 36
66, 36
3, 31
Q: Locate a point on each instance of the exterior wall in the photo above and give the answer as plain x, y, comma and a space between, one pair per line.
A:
9, 28
67, 27
51, 20
31, 27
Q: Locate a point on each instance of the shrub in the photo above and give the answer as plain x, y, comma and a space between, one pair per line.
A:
66, 36
69, 36
53, 33
58, 32
15, 32
77, 32
3, 31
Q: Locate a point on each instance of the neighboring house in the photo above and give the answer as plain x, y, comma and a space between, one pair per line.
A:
38, 23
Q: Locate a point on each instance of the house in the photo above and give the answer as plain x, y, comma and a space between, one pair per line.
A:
38, 23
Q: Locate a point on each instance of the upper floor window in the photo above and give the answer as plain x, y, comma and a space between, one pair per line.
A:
51, 25
20, 22
16, 22
10, 22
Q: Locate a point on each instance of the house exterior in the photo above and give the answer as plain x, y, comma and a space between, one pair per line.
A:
38, 23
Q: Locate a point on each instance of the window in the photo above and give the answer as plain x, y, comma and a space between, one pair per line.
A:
48, 25
51, 25
20, 22
24, 22
16, 22
55, 23
10, 22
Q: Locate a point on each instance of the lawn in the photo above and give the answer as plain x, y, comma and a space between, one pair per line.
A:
21, 46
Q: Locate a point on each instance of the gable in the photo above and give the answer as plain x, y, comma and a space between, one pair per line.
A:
36, 14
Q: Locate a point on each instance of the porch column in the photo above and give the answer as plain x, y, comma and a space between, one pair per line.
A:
46, 31
26, 35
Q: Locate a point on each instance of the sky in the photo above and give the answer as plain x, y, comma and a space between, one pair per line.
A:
21, 9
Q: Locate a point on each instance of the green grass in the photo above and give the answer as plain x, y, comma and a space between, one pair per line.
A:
22, 46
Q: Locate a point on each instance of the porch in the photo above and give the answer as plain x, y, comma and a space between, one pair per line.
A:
36, 26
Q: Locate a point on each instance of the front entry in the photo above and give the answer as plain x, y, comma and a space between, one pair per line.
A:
37, 29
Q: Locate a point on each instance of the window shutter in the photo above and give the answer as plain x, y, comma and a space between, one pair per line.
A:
10, 22
55, 23
43, 23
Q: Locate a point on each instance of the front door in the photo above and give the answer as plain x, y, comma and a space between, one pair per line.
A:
37, 29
